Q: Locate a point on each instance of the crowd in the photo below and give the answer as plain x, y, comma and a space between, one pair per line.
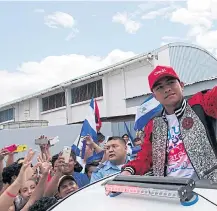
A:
179, 142
27, 186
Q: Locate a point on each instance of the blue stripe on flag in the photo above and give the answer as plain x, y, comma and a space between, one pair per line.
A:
88, 130
92, 104
76, 150
83, 149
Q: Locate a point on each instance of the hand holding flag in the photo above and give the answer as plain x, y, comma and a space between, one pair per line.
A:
91, 125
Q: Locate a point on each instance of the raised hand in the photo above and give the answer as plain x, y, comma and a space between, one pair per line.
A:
3, 153
89, 140
60, 163
44, 164
26, 171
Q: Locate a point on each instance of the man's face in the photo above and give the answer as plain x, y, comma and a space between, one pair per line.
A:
116, 150
68, 186
168, 91
69, 167
126, 138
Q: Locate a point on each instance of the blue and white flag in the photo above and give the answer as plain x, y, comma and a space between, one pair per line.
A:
77, 146
89, 126
147, 110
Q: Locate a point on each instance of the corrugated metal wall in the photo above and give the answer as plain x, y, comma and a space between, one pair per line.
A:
118, 128
192, 63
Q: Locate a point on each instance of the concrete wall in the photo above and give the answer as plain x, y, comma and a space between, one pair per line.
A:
67, 135
55, 117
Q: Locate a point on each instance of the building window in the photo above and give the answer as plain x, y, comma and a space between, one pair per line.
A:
7, 115
53, 101
87, 91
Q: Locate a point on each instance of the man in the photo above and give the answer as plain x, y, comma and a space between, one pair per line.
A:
80, 178
126, 138
66, 185
90, 168
62, 168
116, 150
181, 141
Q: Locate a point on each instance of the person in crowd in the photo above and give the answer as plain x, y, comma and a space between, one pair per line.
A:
54, 163
10, 173
97, 152
66, 185
180, 141
3, 153
137, 142
94, 147
90, 168
80, 178
116, 150
43, 204
78, 167
8, 196
25, 193
126, 138
63, 168
140, 134
20, 160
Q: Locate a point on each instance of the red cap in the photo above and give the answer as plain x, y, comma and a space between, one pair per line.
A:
160, 72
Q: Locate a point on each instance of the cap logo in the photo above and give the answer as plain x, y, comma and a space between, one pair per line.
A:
160, 71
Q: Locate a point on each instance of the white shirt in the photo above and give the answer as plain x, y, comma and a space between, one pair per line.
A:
178, 164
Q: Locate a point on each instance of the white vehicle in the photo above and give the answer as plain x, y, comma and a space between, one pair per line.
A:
142, 193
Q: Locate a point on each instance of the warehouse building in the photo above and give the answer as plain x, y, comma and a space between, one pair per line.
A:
119, 89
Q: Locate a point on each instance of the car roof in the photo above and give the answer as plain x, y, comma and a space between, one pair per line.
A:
93, 198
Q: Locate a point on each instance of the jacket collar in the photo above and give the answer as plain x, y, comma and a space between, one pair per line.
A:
108, 164
178, 112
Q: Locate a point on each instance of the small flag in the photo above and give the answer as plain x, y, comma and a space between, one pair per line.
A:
77, 146
147, 110
89, 126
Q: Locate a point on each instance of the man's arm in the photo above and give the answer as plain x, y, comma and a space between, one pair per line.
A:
208, 100
143, 160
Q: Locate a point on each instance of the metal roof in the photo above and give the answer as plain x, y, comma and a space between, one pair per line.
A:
178, 51
192, 63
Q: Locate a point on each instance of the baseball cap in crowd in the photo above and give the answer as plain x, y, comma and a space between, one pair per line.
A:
160, 72
63, 178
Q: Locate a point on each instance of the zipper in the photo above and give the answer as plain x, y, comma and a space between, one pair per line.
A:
166, 153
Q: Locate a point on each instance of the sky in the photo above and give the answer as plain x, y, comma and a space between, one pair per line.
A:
45, 43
